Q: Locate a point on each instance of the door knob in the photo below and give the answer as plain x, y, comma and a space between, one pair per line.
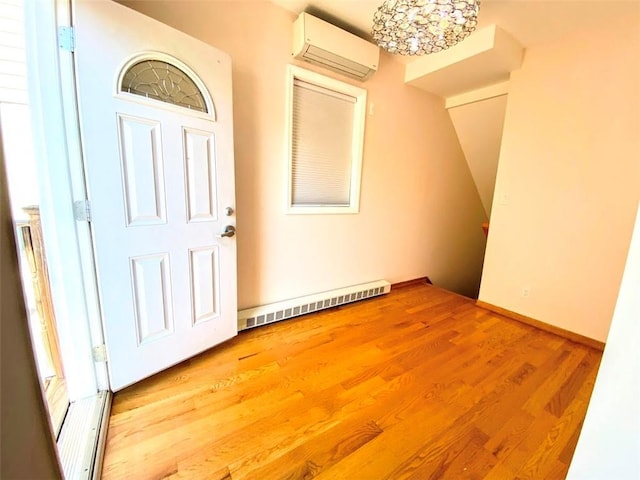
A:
229, 231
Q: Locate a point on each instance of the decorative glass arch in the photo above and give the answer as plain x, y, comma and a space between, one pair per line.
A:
160, 80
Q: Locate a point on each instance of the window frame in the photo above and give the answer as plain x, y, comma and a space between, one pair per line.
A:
210, 114
357, 136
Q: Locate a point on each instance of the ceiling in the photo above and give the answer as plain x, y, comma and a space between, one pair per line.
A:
530, 22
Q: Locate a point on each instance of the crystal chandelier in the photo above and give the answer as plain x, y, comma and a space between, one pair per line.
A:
419, 27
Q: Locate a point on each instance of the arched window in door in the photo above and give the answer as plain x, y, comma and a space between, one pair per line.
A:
162, 80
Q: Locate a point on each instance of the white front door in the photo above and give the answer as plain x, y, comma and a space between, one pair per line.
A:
156, 123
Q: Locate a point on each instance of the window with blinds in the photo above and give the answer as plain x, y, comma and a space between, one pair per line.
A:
326, 119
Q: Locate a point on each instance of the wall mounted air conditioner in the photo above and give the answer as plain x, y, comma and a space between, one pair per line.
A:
321, 43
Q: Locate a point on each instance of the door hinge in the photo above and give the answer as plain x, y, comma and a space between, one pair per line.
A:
100, 353
66, 39
82, 210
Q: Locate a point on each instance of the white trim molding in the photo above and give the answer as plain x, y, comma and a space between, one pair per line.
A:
61, 183
358, 96
472, 96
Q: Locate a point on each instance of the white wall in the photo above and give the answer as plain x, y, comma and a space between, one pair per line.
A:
568, 180
420, 213
609, 444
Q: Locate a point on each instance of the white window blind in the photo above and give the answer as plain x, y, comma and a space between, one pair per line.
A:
322, 145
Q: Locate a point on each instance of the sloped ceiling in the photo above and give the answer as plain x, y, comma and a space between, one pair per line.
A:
486, 58
479, 129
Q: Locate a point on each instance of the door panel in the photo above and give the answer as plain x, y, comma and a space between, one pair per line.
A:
200, 164
142, 167
204, 283
152, 295
159, 177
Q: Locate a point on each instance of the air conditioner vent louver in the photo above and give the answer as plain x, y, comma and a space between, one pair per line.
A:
322, 57
321, 43
254, 317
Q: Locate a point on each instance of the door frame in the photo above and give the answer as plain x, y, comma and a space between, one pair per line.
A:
61, 184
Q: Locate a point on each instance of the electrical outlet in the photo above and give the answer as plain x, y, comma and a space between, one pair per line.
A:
526, 292
504, 199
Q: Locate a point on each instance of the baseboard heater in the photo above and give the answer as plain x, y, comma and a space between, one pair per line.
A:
274, 312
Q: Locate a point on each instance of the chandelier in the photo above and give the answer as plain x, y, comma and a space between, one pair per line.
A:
419, 27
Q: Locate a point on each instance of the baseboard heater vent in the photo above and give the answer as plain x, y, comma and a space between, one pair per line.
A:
274, 312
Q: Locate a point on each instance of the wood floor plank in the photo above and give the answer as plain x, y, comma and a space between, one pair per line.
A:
544, 459
419, 383
531, 439
567, 453
566, 393
274, 437
202, 471
569, 360
313, 456
397, 444
509, 435
453, 464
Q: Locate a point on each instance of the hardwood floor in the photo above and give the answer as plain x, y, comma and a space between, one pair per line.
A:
418, 384
55, 394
